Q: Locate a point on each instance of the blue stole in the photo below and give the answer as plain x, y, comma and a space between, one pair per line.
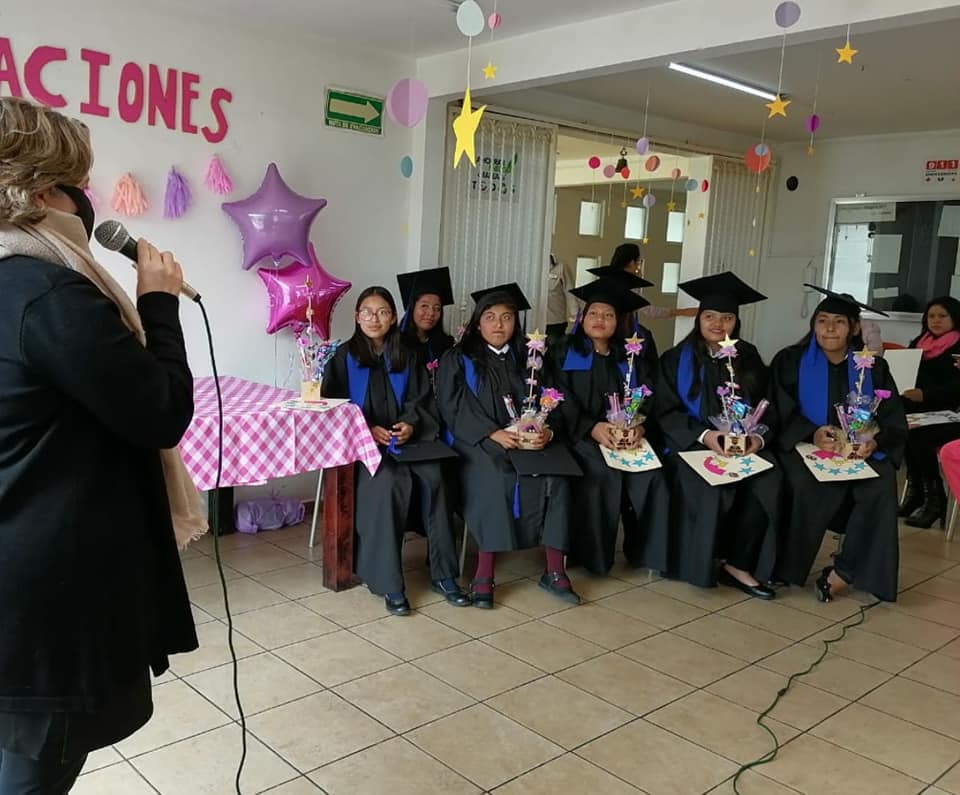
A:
578, 362
685, 381
813, 383
358, 378
470, 375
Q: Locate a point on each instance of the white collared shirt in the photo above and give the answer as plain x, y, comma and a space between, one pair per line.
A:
500, 351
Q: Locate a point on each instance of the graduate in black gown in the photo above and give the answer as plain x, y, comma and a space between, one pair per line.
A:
621, 271
591, 366
424, 294
378, 373
734, 523
808, 380
505, 508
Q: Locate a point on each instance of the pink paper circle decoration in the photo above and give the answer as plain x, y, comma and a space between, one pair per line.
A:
407, 102
494, 20
649, 200
594, 162
643, 145
675, 173
652, 164
813, 123
705, 185
609, 171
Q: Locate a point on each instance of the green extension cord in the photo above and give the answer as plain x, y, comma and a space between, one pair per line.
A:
772, 753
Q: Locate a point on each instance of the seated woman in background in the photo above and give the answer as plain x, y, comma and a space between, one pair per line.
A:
937, 388
591, 367
377, 372
734, 523
504, 507
809, 380
424, 294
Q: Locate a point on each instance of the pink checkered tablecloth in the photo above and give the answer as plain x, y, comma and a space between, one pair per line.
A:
261, 441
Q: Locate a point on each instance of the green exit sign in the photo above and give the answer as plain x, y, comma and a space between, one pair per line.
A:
352, 110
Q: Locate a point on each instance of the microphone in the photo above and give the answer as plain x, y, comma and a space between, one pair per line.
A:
113, 236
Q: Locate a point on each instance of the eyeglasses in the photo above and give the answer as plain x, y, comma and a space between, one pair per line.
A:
370, 314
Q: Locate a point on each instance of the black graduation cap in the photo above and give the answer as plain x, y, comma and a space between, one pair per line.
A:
628, 279
841, 303
610, 291
512, 289
721, 292
423, 451
554, 459
435, 281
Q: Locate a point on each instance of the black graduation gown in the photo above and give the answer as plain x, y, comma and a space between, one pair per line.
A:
383, 500
715, 521
602, 492
865, 510
490, 482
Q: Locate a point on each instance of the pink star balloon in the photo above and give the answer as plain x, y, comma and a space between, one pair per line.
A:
274, 220
293, 288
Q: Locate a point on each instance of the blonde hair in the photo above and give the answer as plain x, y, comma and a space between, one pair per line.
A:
39, 148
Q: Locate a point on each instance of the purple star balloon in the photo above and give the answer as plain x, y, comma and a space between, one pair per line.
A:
290, 294
274, 220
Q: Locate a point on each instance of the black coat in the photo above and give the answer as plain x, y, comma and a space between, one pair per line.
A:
939, 381
91, 587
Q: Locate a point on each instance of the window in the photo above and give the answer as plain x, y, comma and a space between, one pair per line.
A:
671, 276
675, 224
591, 218
635, 227
583, 264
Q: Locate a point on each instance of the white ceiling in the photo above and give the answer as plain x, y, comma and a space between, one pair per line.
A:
902, 80
402, 27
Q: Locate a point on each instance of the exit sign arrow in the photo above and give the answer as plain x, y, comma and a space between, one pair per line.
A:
354, 111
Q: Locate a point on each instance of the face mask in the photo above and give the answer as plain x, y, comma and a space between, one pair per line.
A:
85, 211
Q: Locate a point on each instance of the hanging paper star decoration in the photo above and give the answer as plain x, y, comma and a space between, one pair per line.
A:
465, 128
489, 71
671, 206
778, 107
845, 53
637, 192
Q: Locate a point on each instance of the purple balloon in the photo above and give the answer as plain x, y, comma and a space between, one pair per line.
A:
813, 123
649, 200
787, 14
643, 145
407, 102
274, 221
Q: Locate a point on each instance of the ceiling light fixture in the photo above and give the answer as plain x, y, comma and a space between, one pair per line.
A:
723, 81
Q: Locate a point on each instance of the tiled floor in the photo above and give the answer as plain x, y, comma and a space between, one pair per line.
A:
652, 686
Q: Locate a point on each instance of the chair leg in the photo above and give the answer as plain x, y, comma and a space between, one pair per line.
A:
952, 518
316, 510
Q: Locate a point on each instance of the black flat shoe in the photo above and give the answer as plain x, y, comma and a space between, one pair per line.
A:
821, 586
454, 596
550, 581
756, 591
398, 607
482, 600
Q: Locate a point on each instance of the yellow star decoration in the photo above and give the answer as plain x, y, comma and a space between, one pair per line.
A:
465, 128
623, 205
671, 206
727, 344
634, 340
489, 71
645, 241
845, 53
752, 252
637, 192
810, 150
536, 336
778, 107
866, 353
701, 216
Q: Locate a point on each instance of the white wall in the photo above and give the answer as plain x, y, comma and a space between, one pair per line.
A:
796, 231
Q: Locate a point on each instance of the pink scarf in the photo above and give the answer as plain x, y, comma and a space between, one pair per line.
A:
933, 347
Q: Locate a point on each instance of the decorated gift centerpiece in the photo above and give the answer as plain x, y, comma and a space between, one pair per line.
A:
858, 415
531, 420
738, 420
627, 412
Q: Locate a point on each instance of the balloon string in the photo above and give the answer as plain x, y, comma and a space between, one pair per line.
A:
783, 51
646, 109
469, 61
492, 29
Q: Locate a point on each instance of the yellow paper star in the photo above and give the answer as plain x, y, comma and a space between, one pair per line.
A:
634, 340
638, 192
465, 128
727, 344
645, 241
701, 216
810, 150
778, 107
866, 353
752, 252
671, 206
845, 53
623, 205
536, 336
489, 71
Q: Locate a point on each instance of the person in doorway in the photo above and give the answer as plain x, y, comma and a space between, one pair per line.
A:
629, 257
561, 306
809, 380
734, 523
95, 395
937, 388
378, 373
509, 503
590, 367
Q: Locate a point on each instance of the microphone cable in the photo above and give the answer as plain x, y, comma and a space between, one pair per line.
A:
216, 550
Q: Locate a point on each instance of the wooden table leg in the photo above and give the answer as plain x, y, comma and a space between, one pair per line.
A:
338, 497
